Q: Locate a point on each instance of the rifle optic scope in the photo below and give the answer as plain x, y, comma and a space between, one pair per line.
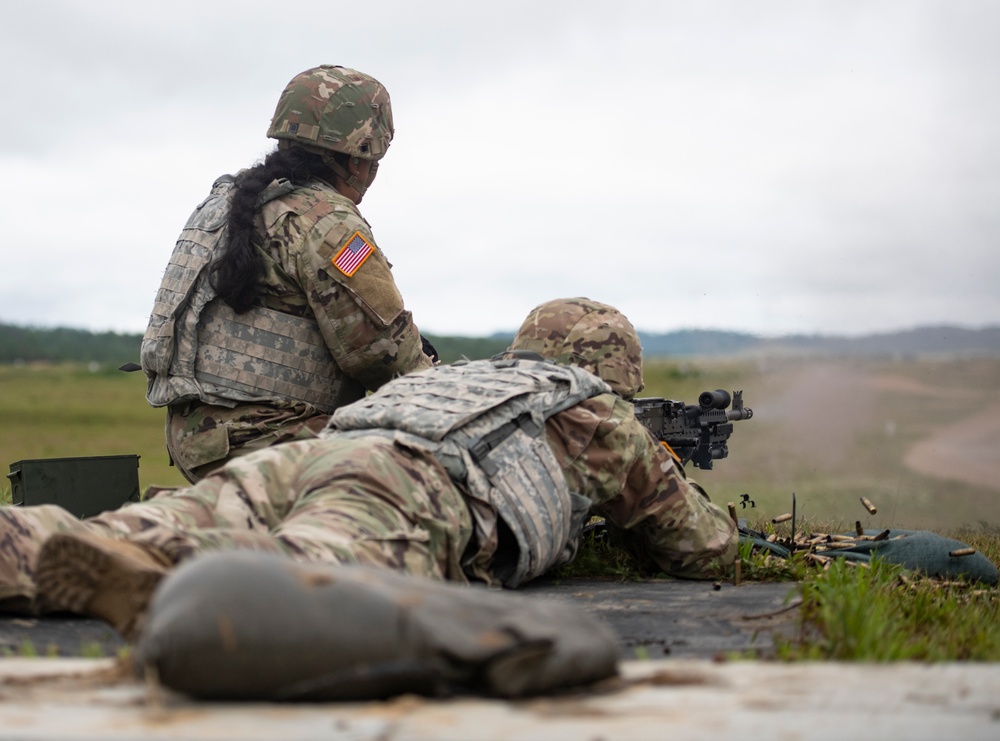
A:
718, 399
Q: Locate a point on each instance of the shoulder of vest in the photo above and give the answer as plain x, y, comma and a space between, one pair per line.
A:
321, 199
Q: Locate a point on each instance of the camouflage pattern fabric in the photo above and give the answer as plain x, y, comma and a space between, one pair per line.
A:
633, 482
262, 353
332, 325
370, 336
198, 432
22, 531
335, 108
588, 334
483, 421
364, 501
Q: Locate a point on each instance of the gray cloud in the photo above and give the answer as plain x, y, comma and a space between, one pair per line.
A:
770, 166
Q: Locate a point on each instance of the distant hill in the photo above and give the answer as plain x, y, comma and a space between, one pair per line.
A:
29, 344
942, 340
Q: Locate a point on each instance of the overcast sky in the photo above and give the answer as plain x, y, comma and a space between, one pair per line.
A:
766, 166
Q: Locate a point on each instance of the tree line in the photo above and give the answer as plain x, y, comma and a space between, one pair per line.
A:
28, 344
32, 344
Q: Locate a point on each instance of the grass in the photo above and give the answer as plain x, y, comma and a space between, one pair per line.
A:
879, 613
63, 411
873, 611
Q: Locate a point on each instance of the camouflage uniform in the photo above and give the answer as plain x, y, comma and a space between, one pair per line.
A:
330, 324
373, 499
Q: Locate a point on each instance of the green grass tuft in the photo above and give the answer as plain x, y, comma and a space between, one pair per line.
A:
879, 613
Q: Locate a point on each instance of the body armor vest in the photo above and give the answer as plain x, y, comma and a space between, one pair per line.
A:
484, 421
197, 348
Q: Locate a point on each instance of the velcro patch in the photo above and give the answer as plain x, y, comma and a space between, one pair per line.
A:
352, 255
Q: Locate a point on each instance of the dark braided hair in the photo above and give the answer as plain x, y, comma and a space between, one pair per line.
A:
237, 271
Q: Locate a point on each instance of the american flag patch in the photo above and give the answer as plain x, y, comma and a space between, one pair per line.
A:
352, 255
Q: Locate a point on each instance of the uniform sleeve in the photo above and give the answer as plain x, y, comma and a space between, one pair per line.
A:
638, 487
351, 291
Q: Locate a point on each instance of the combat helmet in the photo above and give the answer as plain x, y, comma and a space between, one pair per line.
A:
587, 334
329, 109
335, 109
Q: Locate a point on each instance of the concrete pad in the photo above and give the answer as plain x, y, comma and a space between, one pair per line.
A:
652, 619
682, 619
689, 699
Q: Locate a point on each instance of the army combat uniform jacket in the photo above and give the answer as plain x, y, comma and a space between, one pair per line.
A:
536, 448
330, 326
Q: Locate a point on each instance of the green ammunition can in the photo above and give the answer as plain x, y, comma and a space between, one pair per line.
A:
84, 486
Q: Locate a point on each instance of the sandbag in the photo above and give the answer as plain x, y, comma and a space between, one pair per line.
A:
917, 550
923, 551
241, 625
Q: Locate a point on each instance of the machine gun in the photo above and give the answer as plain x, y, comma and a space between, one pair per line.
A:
697, 433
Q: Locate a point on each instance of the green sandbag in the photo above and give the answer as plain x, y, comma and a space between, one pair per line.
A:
759, 542
923, 551
917, 550
239, 625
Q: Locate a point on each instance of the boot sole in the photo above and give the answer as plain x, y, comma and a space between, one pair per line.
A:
76, 575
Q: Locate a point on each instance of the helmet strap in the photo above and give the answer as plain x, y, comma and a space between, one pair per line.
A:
344, 174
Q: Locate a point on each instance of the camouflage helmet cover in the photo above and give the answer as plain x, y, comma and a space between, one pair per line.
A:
335, 108
588, 334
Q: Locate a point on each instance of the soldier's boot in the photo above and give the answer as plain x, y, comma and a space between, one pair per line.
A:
99, 577
22, 531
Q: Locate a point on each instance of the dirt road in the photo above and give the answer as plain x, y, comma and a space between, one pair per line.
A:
967, 451
841, 399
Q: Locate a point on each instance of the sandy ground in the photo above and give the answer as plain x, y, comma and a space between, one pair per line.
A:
965, 451
839, 400
819, 410
684, 699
